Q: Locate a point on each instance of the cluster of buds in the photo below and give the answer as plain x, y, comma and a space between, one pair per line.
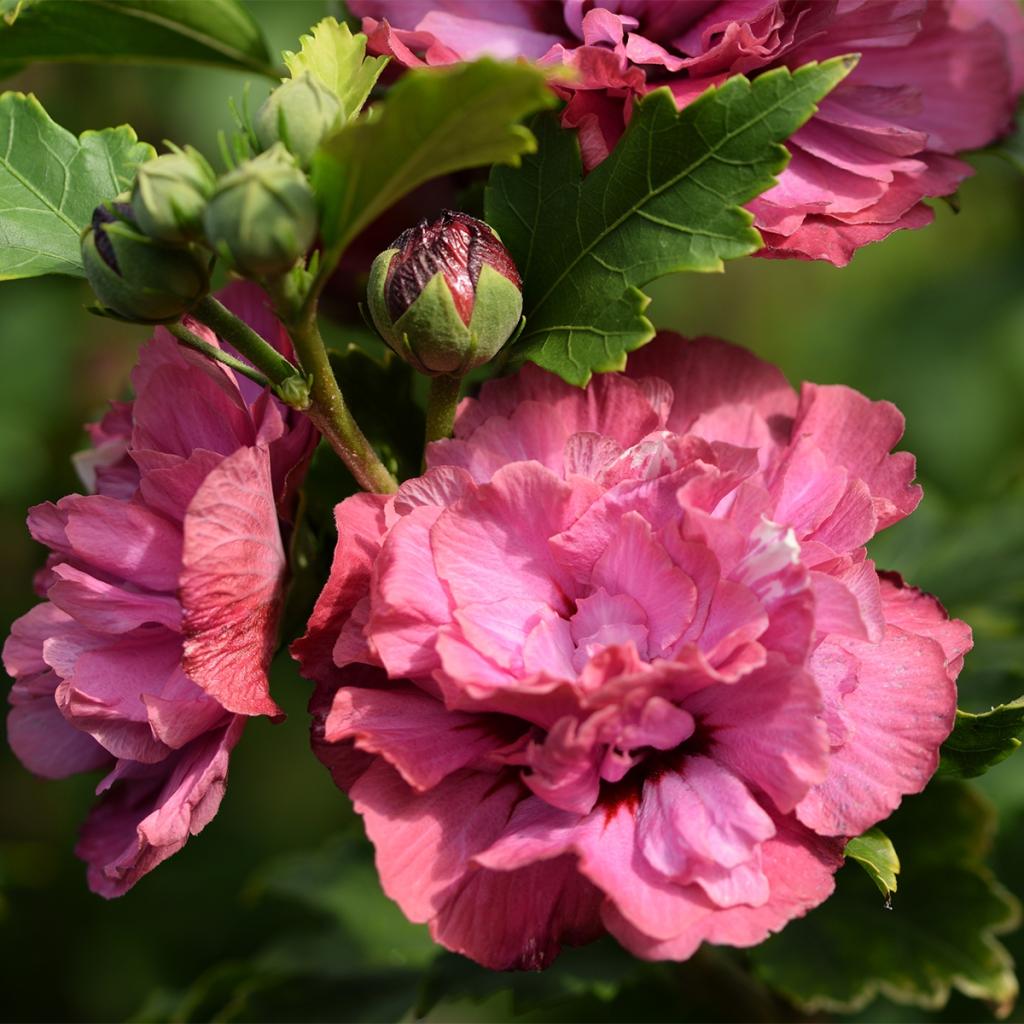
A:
446, 295
148, 255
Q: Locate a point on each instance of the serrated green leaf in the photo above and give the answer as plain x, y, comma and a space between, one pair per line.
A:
940, 933
667, 199
219, 32
980, 741
877, 856
338, 58
433, 122
50, 182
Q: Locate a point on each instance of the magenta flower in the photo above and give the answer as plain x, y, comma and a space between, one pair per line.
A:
936, 77
162, 597
618, 660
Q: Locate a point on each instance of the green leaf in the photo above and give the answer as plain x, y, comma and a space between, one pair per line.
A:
219, 32
980, 741
338, 58
339, 882
433, 122
667, 199
877, 856
50, 182
350, 954
940, 933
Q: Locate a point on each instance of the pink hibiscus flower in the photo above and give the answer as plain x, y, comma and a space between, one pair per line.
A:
162, 597
618, 660
936, 77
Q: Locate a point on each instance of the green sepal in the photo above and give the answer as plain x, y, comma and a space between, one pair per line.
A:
299, 114
155, 283
431, 334
497, 313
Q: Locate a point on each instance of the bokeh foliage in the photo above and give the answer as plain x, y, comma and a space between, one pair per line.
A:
274, 912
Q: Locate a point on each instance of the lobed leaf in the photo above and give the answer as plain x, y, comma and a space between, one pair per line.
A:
980, 741
338, 58
219, 32
940, 933
667, 199
433, 122
50, 182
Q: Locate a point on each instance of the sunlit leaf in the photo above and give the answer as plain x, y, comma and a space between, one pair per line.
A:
338, 58
433, 122
877, 856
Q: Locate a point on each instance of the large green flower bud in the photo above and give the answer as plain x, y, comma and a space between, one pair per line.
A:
446, 294
170, 195
262, 216
298, 114
137, 278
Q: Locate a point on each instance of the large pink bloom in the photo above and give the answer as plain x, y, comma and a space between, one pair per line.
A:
163, 591
618, 661
935, 77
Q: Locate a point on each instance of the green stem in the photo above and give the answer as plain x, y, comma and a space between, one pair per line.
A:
330, 413
441, 406
193, 341
256, 349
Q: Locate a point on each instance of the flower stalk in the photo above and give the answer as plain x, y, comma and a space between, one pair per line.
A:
192, 340
328, 410
244, 339
441, 406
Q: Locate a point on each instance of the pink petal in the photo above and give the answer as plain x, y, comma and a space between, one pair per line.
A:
232, 571
706, 374
409, 602
529, 915
413, 732
898, 707
766, 730
150, 811
858, 434
493, 543
360, 523
425, 841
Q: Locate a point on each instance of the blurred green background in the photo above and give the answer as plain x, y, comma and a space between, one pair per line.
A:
931, 320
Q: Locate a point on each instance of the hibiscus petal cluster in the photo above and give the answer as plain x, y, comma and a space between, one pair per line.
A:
618, 661
163, 590
935, 77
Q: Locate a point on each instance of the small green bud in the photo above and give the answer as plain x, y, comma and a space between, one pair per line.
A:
262, 216
137, 278
294, 391
299, 114
170, 195
446, 295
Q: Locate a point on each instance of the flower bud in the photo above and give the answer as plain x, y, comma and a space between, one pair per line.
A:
298, 114
137, 278
446, 295
262, 216
170, 195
